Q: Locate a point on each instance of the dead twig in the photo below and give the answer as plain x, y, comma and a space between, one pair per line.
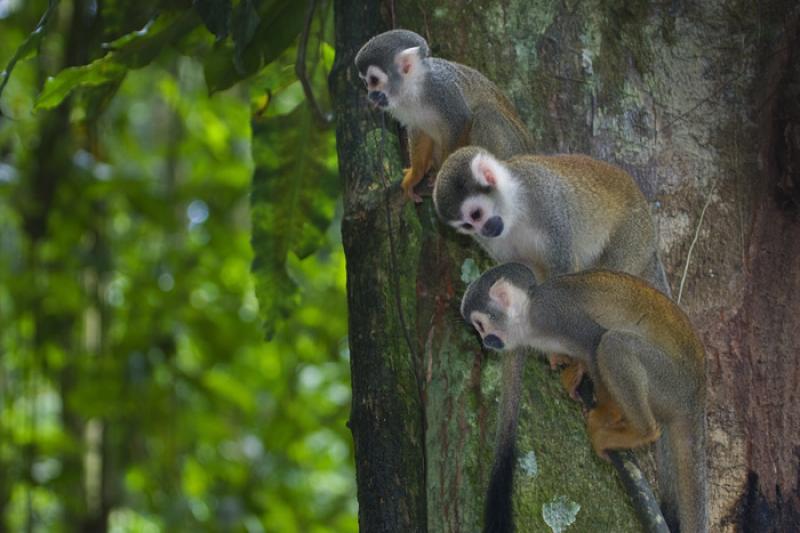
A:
694, 241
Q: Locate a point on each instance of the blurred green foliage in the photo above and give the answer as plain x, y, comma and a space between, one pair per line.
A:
142, 146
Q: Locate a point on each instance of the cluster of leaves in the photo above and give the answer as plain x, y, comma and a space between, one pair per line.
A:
137, 391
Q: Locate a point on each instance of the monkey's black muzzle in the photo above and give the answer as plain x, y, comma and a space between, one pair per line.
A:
493, 227
378, 99
493, 342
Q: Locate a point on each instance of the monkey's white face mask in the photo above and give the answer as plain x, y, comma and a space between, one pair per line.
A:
389, 93
377, 82
504, 325
487, 215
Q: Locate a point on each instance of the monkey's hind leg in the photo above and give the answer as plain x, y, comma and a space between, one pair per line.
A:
571, 374
617, 436
622, 371
606, 412
607, 426
420, 147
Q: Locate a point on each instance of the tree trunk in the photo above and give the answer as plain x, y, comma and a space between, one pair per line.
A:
700, 103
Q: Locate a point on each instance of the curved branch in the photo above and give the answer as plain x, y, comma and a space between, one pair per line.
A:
322, 118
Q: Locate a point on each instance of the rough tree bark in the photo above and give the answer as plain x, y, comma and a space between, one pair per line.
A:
701, 103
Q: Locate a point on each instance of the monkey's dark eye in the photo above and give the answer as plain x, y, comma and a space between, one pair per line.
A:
476, 214
479, 325
373, 80
466, 225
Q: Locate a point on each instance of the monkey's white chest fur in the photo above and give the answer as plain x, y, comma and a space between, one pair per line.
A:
520, 244
421, 118
417, 117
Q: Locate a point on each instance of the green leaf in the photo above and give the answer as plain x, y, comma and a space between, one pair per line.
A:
216, 15
245, 23
28, 46
293, 202
97, 99
278, 27
96, 73
131, 51
226, 386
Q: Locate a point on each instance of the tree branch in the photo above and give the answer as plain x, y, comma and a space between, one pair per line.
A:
322, 118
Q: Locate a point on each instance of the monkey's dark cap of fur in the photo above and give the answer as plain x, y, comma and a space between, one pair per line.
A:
454, 183
381, 49
478, 291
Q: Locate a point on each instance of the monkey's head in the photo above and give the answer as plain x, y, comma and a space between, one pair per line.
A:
475, 193
496, 304
390, 65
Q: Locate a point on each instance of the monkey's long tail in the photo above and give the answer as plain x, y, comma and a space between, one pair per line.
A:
667, 489
682, 476
499, 512
667, 483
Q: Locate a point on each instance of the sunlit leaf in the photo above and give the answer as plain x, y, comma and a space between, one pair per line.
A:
130, 52
228, 388
100, 72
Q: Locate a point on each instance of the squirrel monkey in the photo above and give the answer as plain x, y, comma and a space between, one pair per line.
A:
556, 214
636, 344
443, 105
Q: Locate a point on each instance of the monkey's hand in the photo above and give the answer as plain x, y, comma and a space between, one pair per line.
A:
556, 360
410, 178
571, 378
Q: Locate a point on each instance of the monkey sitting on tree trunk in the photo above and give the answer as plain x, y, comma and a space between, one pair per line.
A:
443, 105
636, 344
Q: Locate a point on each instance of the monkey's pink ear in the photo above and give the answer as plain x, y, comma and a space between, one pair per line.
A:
486, 170
408, 60
501, 294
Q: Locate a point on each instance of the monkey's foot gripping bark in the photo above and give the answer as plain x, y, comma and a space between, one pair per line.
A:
410, 178
608, 430
420, 146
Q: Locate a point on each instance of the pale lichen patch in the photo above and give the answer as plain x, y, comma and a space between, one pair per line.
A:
529, 465
560, 513
469, 271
